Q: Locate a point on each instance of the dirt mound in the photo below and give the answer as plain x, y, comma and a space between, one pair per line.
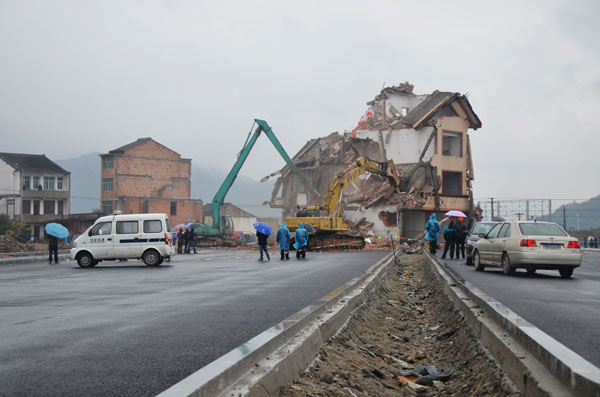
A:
9, 244
408, 339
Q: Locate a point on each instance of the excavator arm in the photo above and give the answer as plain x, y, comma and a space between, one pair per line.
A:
326, 218
332, 201
262, 126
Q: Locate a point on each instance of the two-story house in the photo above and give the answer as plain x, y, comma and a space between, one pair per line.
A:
34, 190
145, 177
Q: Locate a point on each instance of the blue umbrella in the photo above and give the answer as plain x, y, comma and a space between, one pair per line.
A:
263, 228
57, 230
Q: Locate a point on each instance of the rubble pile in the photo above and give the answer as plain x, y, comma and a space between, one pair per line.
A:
406, 340
9, 244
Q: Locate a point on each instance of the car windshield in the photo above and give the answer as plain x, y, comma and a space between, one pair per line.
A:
541, 229
482, 228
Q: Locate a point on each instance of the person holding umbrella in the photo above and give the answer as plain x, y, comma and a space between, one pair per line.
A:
460, 233
263, 231
52, 249
54, 232
301, 237
283, 238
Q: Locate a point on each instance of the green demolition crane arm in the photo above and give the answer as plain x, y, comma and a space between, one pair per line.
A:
243, 155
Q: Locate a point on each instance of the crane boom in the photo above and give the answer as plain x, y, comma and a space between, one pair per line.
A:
262, 126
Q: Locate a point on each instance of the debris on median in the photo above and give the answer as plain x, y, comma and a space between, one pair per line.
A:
407, 340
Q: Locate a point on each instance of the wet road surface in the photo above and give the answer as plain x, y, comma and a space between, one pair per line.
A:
129, 330
566, 309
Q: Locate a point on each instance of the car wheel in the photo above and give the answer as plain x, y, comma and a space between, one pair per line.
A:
506, 266
85, 259
477, 262
566, 272
151, 258
530, 270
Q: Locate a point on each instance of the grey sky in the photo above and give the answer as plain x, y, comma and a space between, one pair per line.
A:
82, 76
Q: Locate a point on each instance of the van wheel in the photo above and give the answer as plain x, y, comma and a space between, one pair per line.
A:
151, 258
85, 259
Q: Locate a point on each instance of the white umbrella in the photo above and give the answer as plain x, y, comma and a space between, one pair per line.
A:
456, 213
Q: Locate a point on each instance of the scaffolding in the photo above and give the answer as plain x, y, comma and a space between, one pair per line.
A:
518, 209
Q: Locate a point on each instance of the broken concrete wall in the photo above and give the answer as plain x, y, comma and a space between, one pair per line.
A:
404, 145
426, 138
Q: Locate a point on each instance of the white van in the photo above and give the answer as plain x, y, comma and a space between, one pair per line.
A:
132, 236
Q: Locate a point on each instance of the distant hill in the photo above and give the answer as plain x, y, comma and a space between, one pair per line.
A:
85, 181
245, 192
586, 214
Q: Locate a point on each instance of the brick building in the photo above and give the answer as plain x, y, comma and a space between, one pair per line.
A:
145, 177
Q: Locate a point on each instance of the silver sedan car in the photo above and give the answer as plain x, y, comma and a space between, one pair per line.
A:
530, 245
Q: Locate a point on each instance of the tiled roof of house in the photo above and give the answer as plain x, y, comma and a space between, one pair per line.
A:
437, 100
32, 162
130, 145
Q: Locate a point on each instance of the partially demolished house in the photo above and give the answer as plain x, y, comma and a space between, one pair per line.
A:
426, 136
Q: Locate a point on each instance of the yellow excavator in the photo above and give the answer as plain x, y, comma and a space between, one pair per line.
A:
326, 219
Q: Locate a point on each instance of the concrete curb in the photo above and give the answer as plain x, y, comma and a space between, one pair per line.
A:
278, 355
537, 364
31, 257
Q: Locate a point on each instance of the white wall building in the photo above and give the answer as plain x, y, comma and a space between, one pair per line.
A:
34, 190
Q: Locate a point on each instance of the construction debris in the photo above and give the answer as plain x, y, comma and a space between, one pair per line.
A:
9, 244
419, 135
407, 339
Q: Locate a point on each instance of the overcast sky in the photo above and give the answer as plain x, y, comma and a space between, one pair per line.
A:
83, 76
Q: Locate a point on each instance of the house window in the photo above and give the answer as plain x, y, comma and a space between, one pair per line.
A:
452, 144
173, 207
48, 183
107, 163
26, 182
61, 207
49, 206
107, 184
36, 207
26, 207
451, 183
144, 207
36, 182
107, 207
59, 183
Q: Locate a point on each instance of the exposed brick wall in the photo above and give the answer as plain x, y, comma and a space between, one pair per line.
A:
152, 188
187, 210
158, 168
149, 170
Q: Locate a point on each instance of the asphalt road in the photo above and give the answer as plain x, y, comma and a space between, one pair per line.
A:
124, 329
566, 309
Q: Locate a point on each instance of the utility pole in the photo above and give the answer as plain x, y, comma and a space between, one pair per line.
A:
565, 216
492, 199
